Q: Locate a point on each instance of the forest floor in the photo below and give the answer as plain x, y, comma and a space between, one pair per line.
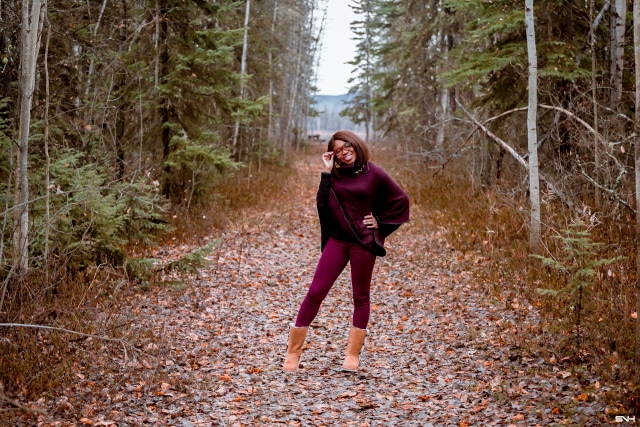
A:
442, 350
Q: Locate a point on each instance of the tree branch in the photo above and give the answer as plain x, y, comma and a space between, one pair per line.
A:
609, 191
599, 137
19, 405
494, 137
590, 37
518, 157
69, 331
550, 107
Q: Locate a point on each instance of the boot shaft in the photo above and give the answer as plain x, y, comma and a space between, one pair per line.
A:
294, 348
354, 348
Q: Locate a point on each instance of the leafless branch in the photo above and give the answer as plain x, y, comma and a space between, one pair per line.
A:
19, 405
124, 343
590, 37
607, 190
518, 157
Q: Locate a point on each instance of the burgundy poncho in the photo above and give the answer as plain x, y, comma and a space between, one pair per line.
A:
343, 201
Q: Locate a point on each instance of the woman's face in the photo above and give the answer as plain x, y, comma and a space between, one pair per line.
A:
344, 152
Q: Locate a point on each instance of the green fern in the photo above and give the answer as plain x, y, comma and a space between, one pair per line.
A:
92, 218
194, 260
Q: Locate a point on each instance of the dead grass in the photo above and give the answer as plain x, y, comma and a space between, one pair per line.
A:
253, 186
35, 361
492, 224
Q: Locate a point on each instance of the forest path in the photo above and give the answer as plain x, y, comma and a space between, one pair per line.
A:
440, 351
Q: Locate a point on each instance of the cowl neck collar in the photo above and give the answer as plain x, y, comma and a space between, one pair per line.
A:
353, 169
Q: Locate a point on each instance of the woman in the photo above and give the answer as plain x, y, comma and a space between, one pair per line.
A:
359, 205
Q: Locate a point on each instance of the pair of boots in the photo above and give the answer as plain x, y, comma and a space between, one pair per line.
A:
297, 336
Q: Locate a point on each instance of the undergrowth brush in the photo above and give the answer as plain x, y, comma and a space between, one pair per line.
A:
231, 199
78, 307
70, 307
489, 226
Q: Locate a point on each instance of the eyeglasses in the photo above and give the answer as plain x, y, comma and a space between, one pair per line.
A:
340, 150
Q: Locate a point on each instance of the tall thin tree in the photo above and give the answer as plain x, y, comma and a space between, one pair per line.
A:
243, 68
618, 28
636, 52
532, 134
161, 78
32, 19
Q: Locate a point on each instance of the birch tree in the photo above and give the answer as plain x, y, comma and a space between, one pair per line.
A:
444, 99
618, 27
32, 18
636, 54
532, 134
243, 67
270, 130
594, 92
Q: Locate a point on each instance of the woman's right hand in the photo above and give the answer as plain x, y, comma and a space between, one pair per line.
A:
327, 160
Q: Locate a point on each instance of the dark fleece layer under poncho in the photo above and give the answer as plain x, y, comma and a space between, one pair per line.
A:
343, 202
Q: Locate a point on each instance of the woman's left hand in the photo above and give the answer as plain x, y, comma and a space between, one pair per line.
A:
370, 221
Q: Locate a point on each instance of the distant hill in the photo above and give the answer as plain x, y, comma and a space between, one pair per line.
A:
329, 120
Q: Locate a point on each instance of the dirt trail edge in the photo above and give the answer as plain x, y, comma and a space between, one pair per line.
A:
439, 351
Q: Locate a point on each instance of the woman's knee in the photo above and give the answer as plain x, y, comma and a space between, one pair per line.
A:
315, 298
361, 301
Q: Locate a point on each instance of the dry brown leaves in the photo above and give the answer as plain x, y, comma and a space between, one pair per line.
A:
440, 351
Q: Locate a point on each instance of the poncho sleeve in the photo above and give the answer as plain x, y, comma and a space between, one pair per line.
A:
391, 205
322, 202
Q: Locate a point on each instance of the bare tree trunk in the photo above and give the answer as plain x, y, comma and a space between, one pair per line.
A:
120, 114
636, 52
442, 125
618, 26
156, 69
534, 179
293, 88
163, 104
313, 43
92, 64
47, 166
32, 17
270, 134
444, 103
594, 99
368, 107
243, 69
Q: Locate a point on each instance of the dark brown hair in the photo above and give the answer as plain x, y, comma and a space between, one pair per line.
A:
362, 151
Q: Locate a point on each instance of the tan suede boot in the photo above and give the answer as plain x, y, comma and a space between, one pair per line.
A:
354, 347
294, 350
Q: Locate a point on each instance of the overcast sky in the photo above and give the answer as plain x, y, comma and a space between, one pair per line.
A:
337, 48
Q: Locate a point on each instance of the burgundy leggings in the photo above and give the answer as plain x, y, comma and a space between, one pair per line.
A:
333, 260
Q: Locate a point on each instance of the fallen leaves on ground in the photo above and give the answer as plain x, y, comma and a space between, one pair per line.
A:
210, 351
